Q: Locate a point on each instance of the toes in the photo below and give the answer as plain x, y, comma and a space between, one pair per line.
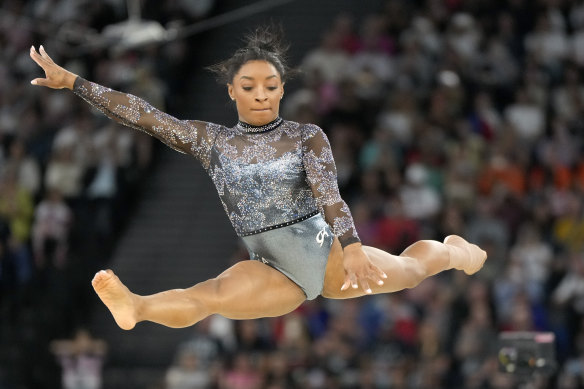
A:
101, 276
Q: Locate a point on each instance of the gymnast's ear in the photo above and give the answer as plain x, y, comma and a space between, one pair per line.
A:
230, 91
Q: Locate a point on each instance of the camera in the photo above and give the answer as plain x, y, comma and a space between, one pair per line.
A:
527, 353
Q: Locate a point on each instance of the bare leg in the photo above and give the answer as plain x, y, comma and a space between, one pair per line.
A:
419, 261
247, 290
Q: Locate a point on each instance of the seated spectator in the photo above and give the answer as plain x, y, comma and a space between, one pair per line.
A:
243, 373
76, 137
27, 168
16, 206
463, 35
64, 174
570, 290
187, 373
420, 201
81, 360
568, 97
547, 43
328, 60
527, 119
533, 257
50, 230
568, 228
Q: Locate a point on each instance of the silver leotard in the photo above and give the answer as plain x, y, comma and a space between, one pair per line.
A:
268, 179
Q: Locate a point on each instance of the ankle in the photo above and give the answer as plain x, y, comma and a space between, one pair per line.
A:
458, 256
139, 306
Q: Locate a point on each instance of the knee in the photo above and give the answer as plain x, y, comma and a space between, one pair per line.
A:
420, 249
417, 261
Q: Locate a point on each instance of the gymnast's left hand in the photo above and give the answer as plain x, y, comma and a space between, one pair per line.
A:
359, 269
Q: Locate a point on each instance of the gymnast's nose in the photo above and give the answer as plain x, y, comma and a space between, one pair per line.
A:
261, 95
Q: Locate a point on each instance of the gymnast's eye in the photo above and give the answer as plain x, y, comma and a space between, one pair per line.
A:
246, 88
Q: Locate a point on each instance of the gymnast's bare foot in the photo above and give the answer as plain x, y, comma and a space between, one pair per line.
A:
117, 297
476, 256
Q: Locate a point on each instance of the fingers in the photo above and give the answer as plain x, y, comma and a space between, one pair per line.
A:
41, 57
365, 286
350, 280
45, 55
34, 55
373, 273
377, 275
39, 81
39, 60
346, 284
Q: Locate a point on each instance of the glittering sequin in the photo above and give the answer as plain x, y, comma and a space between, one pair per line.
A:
265, 176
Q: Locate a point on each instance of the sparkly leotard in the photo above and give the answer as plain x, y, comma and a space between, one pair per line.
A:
267, 178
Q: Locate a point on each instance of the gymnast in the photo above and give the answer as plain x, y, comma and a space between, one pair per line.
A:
276, 180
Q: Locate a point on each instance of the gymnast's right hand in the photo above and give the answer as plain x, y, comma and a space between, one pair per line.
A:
55, 76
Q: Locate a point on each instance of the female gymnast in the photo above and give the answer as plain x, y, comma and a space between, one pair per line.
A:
277, 182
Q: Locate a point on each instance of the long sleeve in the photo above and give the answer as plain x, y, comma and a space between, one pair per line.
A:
322, 178
186, 136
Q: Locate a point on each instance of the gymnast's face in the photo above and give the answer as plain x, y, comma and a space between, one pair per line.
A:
257, 89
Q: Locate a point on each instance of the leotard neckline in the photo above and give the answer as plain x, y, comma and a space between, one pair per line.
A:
246, 127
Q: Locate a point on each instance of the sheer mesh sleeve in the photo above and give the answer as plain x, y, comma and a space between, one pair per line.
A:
322, 177
186, 136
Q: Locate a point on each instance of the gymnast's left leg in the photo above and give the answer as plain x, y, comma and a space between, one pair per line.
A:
419, 261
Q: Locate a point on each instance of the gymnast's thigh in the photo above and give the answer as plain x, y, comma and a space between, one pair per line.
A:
402, 273
251, 289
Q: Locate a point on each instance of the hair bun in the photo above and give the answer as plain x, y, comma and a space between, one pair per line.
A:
264, 43
267, 38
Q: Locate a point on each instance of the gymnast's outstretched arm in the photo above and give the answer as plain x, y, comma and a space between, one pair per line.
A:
187, 136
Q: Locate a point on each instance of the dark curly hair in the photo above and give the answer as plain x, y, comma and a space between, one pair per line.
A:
265, 43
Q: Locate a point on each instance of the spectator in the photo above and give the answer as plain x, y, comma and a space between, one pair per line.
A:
64, 174
81, 360
26, 168
420, 201
242, 374
16, 206
525, 118
548, 43
187, 373
570, 291
328, 61
51, 228
533, 257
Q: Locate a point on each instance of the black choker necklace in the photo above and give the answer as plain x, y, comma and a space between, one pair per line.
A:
246, 127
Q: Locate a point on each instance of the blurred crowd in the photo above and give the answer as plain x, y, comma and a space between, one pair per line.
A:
69, 178
444, 116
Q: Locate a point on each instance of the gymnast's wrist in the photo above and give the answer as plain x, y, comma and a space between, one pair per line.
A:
69, 80
352, 246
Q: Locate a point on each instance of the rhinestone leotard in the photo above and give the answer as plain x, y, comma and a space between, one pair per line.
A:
266, 177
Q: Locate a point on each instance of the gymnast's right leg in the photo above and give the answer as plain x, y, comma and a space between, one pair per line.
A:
247, 290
